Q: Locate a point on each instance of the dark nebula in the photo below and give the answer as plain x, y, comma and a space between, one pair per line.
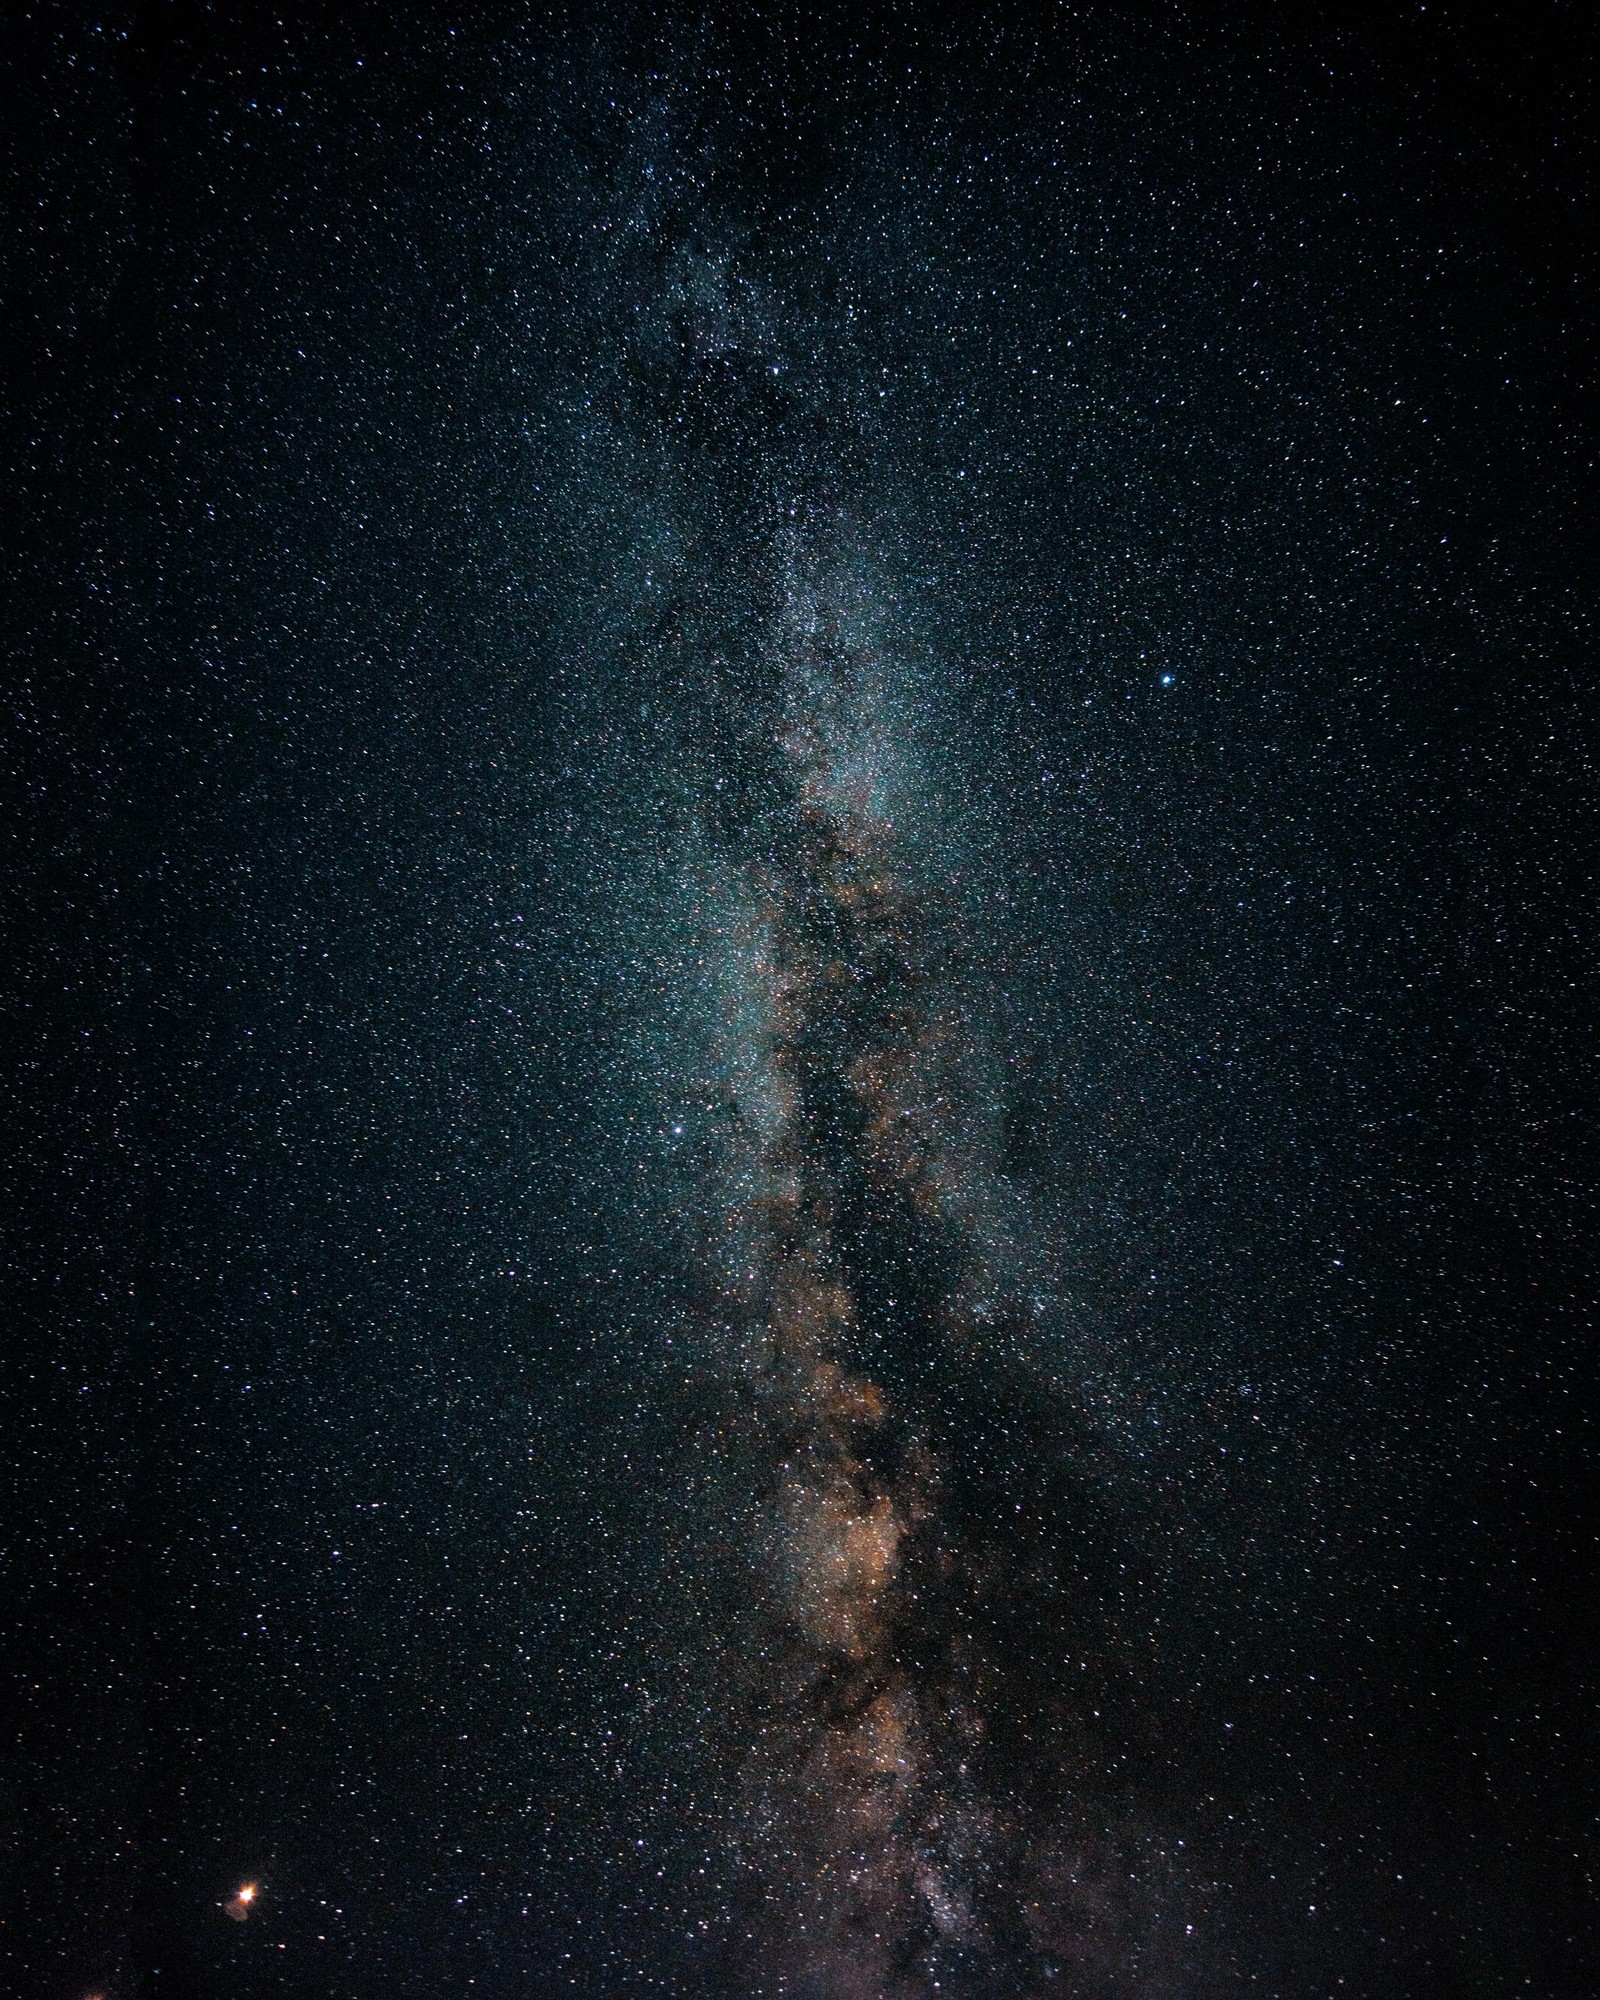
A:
801, 853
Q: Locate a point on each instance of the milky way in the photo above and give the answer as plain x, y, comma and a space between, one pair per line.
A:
863, 1282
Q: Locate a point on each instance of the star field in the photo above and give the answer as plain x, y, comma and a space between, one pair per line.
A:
800, 839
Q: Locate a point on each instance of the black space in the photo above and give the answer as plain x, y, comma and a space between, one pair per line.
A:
404, 418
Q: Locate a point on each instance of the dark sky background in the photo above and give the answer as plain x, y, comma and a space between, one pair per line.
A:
1212, 403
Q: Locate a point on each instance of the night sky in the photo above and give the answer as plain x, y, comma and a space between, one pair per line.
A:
800, 908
